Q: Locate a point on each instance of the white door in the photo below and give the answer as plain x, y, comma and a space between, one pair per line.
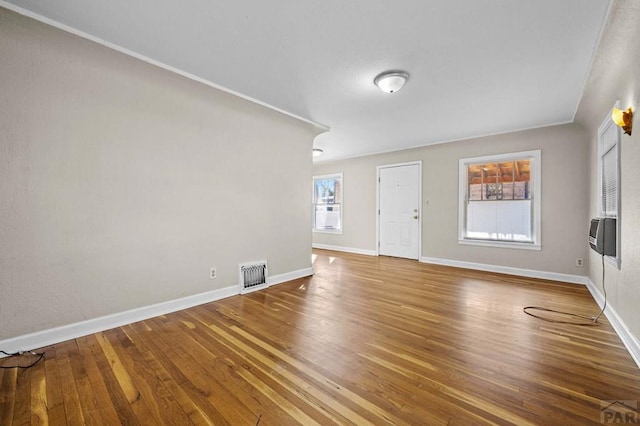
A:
399, 210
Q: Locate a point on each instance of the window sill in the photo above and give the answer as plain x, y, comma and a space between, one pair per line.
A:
615, 261
327, 231
500, 244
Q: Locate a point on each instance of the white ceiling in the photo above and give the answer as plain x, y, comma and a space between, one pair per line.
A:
477, 67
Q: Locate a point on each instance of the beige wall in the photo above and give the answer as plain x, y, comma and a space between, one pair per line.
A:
615, 75
565, 158
121, 184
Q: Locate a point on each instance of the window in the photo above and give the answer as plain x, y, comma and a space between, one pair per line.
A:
500, 200
609, 176
327, 203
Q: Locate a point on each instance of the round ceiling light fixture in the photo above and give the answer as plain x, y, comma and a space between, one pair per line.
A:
391, 81
317, 152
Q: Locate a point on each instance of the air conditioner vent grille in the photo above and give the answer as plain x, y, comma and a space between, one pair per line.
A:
253, 276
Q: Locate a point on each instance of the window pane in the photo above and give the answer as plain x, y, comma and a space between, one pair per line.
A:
327, 216
505, 180
608, 176
499, 201
610, 182
474, 179
493, 191
505, 171
475, 192
507, 191
490, 172
500, 220
522, 170
325, 190
521, 191
327, 201
474, 174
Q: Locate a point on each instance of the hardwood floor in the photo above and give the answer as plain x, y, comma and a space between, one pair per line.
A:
365, 341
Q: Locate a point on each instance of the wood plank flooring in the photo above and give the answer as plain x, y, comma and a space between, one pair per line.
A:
366, 340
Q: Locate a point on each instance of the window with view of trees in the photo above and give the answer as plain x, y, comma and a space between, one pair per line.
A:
497, 201
327, 203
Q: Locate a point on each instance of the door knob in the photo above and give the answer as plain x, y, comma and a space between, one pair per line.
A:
415, 217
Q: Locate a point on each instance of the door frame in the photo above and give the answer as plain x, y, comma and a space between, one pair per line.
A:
387, 166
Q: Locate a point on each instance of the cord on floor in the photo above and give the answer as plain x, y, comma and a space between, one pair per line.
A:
590, 320
40, 356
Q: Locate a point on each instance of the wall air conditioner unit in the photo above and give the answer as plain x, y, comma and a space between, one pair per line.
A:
602, 236
252, 276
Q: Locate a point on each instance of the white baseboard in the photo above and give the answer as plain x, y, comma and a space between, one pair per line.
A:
289, 276
345, 249
628, 339
71, 331
530, 273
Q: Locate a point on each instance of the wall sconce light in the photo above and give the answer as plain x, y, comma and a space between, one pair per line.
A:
623, 119
317, 152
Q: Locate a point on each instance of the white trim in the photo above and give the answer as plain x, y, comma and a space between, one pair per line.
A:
63, 333
628, 339
420, 207
530, 273
55, 335
252, 289
502, 244
327, 231
345, 249
289, 276
329, 176
536, 198
148, 60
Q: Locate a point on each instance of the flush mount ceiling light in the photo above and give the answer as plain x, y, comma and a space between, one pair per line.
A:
317, 152
391, 81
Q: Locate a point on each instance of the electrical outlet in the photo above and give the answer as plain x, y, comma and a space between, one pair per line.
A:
213, 273
579, 261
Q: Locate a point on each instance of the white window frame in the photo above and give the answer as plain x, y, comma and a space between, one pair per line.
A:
608, 126
341, 203
536, 198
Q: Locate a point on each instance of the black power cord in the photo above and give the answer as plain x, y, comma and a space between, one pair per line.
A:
591, 320
40, 356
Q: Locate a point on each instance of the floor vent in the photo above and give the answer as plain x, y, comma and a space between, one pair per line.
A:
253, 276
